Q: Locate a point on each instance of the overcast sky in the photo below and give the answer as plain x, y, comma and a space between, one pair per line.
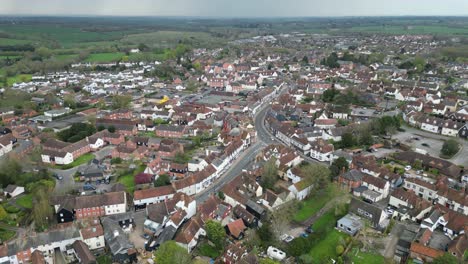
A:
235, 8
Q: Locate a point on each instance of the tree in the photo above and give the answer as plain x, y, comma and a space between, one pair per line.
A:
329, 95
42, 211
447, 258
121, 101
450, 148
162, 180
171, 253
347, 140
339, 165
215, 233
111, 129
317, 175
270, 174
265, 234
305, 60
298, 247
3, 213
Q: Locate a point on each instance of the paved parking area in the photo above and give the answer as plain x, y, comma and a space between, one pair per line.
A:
433, 143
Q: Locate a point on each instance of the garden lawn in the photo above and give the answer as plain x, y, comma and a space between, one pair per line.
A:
77, 162
312, 205
104, 259
324, 250
365, 257
326, 222
128, 180
25, 201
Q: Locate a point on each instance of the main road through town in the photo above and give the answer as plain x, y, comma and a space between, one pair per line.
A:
246, 158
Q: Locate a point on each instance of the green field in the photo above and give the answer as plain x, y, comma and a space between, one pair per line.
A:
312, 205
168, 39
105, 57
12, 41
19, 79
25, 201
66, 56
417, 29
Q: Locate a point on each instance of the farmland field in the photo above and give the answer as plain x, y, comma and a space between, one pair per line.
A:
105, 57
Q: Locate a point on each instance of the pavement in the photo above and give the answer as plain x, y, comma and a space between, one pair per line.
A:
434, 143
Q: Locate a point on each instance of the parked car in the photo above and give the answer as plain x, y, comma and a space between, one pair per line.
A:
407, 168
58, 177
309, 230
286, 238
89, 187
304, 235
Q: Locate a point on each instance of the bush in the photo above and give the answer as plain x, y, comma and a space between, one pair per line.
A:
450, 148
339, 250
116, 160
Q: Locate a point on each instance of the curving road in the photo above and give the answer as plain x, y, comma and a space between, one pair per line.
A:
246, 158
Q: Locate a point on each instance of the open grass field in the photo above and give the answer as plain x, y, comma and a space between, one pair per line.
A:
312, 205
65, 35
66, 56
18, 79
169, 39
12, 41
25, 201
105, 57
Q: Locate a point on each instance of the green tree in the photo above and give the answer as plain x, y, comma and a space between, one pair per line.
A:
317, 175
215, 233
265, 234
3, 213
298, 247
42, 211
329, 95
171, 253
347, 140
338, 165
449, 148
447, 258
121, 101
270, 174
111, 129
162, 180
